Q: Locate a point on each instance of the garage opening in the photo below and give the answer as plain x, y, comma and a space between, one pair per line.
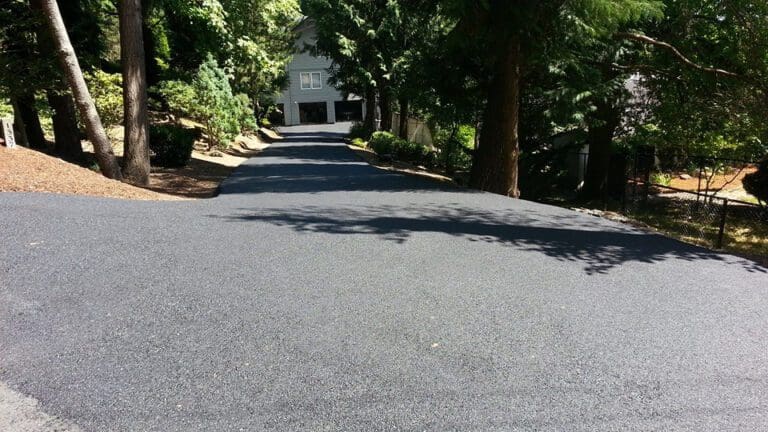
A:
313, 112
349, 110
277, 116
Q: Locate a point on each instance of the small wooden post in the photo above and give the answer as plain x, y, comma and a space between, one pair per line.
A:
6, 133
723, 215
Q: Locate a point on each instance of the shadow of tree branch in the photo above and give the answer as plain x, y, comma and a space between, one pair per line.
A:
575, 238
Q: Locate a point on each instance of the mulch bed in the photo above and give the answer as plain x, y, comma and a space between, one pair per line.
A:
25, 170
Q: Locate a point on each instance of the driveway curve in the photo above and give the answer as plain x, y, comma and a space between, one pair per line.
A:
319, 293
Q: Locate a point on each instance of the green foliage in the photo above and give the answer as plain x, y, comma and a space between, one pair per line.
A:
209, 99
107, 92
245, 117
703, 113
180, 97
252, 39
385, 143
359, 142
756, 183
171, 144
359, 130
661, 178
216, 106
410, 151
454, 145
6, 109
260, 41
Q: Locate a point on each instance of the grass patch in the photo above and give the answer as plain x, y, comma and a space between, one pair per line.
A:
746, 227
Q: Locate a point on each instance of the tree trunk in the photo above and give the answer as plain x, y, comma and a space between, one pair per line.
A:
104, 154
30, 118
604, 121
370, 109
403, 128
136, 120
495, 167
19, 129
66, 133
385, 108
67, 143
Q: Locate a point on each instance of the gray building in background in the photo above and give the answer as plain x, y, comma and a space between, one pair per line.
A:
309, 98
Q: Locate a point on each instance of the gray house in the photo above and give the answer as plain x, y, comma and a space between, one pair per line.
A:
309, 98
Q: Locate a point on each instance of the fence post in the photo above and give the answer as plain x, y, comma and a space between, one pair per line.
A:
720, 234
698, 185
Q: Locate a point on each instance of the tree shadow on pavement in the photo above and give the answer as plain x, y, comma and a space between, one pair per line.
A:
577, 238
313, 178
314, 136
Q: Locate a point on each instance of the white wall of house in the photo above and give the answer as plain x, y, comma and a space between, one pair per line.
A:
304, 62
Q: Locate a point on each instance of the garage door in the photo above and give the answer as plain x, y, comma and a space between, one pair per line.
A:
313, 112
349, 110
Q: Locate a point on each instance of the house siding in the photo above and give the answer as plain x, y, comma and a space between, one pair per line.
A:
302, 61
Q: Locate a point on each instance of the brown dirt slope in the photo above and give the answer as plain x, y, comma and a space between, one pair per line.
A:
24, 170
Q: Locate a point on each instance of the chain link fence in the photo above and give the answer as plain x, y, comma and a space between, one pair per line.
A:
700, 216
699, 200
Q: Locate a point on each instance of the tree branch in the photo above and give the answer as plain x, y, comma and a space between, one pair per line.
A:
647, 40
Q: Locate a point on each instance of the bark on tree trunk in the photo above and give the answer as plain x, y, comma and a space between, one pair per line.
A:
136, 120
385, 108
403, 128
30, 118
66, 133
495, 167
19, 129
605, 121
67, 144
370, 109
104, 154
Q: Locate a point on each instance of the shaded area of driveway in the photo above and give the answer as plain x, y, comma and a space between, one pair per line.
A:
320, 293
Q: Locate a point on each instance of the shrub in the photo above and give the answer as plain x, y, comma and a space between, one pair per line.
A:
455, 145
756, 183
171, 144
410, 151
359, 130
244, 112
179, 96
661, 179
107, 92
383, 143
209, 100
216, 106
359, 142
387, 143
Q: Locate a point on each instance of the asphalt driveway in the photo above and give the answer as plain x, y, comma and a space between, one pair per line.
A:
319, 293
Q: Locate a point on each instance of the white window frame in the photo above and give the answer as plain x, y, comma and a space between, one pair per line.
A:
315, 80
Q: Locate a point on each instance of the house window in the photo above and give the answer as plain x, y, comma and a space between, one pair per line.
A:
310, 80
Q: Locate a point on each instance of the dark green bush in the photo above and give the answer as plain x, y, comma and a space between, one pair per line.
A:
359, 130
383, 143
756, 184
171, 144
455, 145
410, 151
